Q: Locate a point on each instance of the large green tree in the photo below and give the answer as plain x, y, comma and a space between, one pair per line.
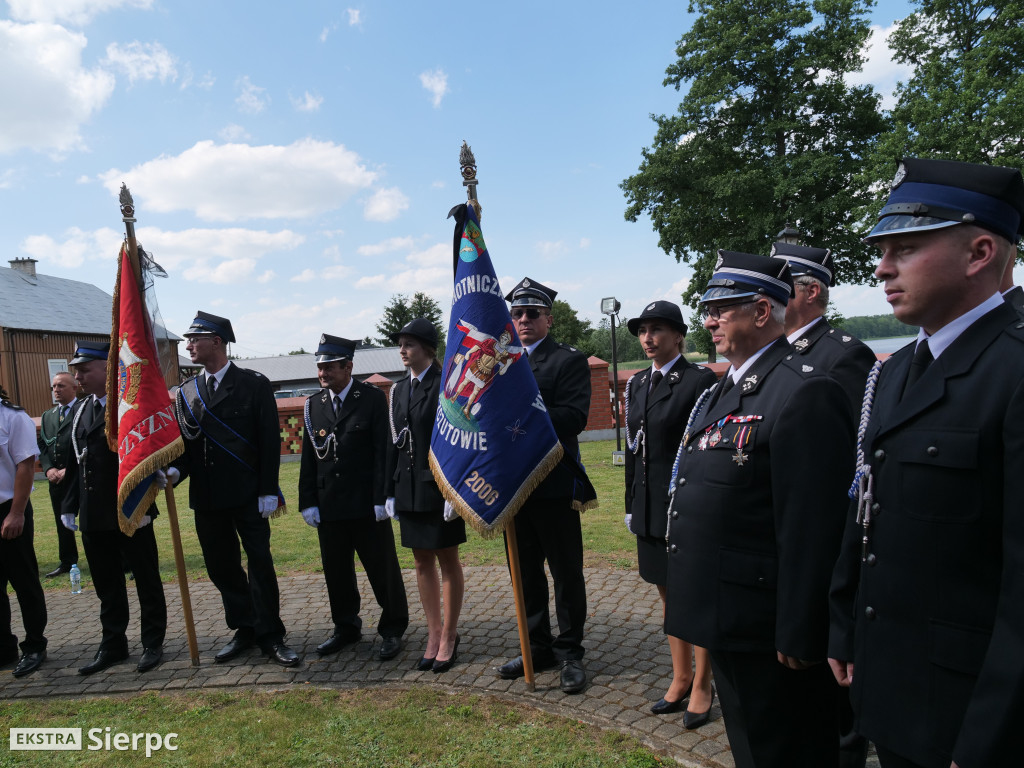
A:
965, 98
768, 133
400, 310
567, 327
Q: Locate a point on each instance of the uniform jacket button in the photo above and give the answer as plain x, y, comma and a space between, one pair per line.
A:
689, 449
675, 515
869, 613
672, 549
880, 454
876, 509
871, 559
682, 481
932, 451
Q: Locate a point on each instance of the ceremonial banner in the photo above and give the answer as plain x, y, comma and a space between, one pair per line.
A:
140, 420
493, 441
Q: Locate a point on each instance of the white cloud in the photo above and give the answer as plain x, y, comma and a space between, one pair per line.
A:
253, 99
353, 17
437, 185
386, 246
371, 281
440, 254
879, 68
142, 61
335, 272
385, 205
549, 249
324, 33
584, 243
230, 182
46, 92
234, 132
84, 180
224, 273
308, 102
76, 12
267, 276
77, 247
305, 276
436, 82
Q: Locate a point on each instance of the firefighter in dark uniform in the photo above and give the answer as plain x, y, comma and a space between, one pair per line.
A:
658, 402
228, 420
548, 524
832, 351
92, 497
928, 594
54, 455
755, 521
342, 495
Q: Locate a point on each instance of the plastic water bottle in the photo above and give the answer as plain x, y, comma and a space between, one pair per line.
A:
76, 580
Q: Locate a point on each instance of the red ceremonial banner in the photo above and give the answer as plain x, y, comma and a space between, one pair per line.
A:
140, 418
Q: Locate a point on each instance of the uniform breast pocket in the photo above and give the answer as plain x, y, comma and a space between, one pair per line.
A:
238, 414
357, 427
938, 473
729, 455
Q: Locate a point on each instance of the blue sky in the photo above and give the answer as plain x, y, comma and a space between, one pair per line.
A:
292, 163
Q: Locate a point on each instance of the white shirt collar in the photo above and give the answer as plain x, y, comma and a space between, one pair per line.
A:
939, 341
800, 332
738, 374
666, 367
218, 375
343, 392
531, 347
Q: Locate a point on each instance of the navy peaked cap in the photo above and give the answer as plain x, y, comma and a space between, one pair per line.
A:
935, 194
90, 350
743, 275
806, 260
335, 348
206, 324
530, 293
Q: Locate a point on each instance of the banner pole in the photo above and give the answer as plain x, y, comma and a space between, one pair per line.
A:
512, 551
128, 217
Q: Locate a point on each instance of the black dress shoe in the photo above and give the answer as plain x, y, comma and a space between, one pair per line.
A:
239, 643
390, 648
29, 662
336, 642
667, 707
60, 570
150, 658
104, 658
424, 664
573, 676
693, 720
443, 666
512, 670
283, 655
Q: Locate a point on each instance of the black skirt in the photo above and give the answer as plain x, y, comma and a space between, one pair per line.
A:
652, 559
428, 530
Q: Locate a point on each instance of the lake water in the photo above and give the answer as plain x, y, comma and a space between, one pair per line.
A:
889, 345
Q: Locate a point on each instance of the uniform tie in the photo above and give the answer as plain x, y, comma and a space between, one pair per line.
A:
728, 384
656, 378
922, 359
415, 383
337, 403
212, 384
63, 413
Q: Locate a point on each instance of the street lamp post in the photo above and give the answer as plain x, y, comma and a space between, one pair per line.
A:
610, 306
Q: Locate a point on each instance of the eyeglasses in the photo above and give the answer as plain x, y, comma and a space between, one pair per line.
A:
531, 312
715, 311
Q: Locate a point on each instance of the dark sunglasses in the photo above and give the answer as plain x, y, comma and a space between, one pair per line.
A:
531, 312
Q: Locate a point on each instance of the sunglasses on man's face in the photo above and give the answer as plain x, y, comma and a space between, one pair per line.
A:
531, 312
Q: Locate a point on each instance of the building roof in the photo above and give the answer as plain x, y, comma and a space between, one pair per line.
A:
47, 303
300, 367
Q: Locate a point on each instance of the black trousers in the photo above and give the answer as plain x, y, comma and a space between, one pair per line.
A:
104, 551
67, 548
251, 602
889, 759
549, 529
18, 568
777, 717
374, 542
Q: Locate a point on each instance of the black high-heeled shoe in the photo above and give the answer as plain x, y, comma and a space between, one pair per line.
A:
440, 666
666, 707
424, 664
693, 720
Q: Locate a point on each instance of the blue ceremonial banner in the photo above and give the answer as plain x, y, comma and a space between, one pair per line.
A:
493, 441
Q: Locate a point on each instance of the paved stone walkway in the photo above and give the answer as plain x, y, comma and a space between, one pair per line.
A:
627, 656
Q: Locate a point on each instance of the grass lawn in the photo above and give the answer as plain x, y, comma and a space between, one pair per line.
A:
606, 541
356, 729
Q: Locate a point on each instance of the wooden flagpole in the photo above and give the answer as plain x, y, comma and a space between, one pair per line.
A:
468, 163
128, 214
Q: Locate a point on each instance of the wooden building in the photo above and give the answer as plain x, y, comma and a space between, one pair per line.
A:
41, 318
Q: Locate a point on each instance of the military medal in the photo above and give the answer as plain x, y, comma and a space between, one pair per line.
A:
322, 432
702, 444
715, 439
740, 457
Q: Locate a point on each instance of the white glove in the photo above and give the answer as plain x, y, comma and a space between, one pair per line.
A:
69, 522
146, 520
629, 523
449, 512
389, 507
312, 516
160, 479
268, 505
173, 475
379, 512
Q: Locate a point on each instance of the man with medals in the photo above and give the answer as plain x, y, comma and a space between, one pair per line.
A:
54, 456
92, 497
342, 494
755, 519
228, 420
927, 595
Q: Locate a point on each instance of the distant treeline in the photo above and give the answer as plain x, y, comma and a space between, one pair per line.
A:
876, 327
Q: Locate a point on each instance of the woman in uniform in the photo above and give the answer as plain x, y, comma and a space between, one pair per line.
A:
414, 498
658, 404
